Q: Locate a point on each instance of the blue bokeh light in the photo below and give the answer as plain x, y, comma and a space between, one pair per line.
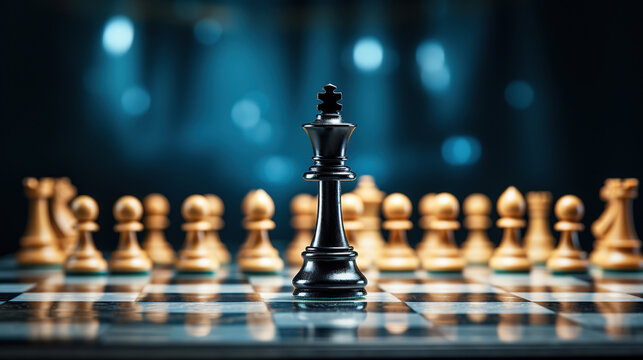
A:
461, 150
135, 101
245, 113
118, 35
436, 80
207, 31
519, 94
430, 56
277, 169
368, 54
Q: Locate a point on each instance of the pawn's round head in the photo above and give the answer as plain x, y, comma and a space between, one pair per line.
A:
397, 207
446, 206
352, 206
128, 208
426, 205
195, 208
476, 204
244, 202
260, 205
511, 203
156, 204
84, 208
302, 204
569, 208
216, 205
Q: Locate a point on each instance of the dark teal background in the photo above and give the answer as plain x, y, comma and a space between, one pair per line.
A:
62, 97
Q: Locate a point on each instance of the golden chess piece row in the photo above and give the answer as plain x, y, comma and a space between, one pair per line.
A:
617, 244
41, 246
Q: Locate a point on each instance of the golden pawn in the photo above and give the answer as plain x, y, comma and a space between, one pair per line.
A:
510, 255
39, 245
477, 248
86, 259
371, 236
429, 238
195, 256
129, 257
258, 255
303, 208
397, 255
539, 241
352, 209
445, 256
244, 208
623, 246
62, 218
568, 257
212, 238
157, 207
605, 220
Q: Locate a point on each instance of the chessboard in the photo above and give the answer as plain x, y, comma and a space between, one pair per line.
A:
45, 313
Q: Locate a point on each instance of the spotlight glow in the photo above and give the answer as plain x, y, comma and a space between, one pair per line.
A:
118, 35
135, 101
207, 31
519, 94
430, 56
245, 113
460, 150
436, 80
368, 54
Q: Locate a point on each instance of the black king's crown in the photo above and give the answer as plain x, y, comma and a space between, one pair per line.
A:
329, 136
329, 269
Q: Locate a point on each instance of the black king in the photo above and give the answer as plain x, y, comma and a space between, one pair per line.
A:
329, 269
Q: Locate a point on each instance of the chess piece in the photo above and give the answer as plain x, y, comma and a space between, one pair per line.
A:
195, 256
477, 248
329, 269
259, 256
539, 241
85, 259
371, 235
250, 237
429, 238
62, 218
397, 254
157, 207
568, 257
605, 220
212, 238
303, 208
38, 245
352, 209
445, 256
129, 257
623, 245
510, 255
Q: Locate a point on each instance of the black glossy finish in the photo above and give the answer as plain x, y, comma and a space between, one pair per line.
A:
329, 269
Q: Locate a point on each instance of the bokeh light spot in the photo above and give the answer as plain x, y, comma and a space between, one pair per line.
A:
135, 101
207, 31
368, 54
277, 169
460, 150
118, 35
245, 113
519, 94
430, 56
436, 80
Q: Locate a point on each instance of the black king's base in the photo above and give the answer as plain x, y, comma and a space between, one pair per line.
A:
329, 270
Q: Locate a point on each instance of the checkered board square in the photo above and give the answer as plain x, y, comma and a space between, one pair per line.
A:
402, 311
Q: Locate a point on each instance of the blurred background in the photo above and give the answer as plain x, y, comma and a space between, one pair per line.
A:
184, 97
